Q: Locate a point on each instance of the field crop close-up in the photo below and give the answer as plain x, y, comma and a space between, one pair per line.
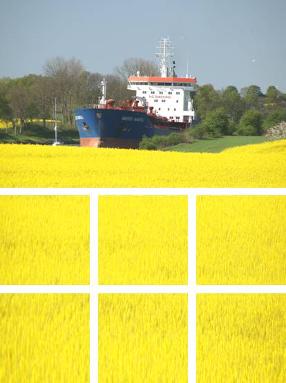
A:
44, 240
143, 240
143, 338
261, 165
241, 338
241, 240
44, 338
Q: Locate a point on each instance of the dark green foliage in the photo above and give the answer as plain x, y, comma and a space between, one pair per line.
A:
147, 144
273, 95
232, 104
197, 132
250, 123
206, 100
217, 123
175, 139
159, 142
5, 110
274, 118
252, 96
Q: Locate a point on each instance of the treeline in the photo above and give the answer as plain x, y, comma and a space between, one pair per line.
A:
33, 96
227, 112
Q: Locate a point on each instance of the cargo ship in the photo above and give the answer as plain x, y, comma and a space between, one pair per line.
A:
162, 104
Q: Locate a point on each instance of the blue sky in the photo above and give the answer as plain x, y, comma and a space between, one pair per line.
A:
227, 42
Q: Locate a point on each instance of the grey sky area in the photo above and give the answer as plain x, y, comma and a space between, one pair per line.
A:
227, 42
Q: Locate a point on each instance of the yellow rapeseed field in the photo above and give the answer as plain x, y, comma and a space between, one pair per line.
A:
44, 240
143, 240
143, 338
262, 165
8, 124
5, 125
241, 240
44, 338
241, 338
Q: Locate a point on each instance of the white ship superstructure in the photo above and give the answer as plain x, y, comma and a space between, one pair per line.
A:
167, 95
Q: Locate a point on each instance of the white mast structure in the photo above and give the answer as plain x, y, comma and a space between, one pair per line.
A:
56, 142
166, 95
102, 101
165, 53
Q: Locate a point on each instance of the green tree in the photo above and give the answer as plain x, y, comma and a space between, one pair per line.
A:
273, 100
66, 76
41, 93
217, 123
252, 96
232, 103
117, 88
20, 104
88, 90
250, 123
206, 100
5, 110
274, 118
273, 95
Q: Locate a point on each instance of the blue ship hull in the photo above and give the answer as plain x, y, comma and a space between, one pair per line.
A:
115, 127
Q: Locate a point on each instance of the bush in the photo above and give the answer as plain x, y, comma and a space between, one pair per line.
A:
147, 144
175, 139
250, 123
247, 130
198, 132
158, 142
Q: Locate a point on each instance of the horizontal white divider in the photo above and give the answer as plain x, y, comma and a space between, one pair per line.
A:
143, 191
240, 289
144, 289
45, 289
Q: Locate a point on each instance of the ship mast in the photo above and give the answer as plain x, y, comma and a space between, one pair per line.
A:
165, 53
103, 92
56, 142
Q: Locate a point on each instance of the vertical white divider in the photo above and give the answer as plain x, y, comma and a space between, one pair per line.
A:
192, 288
93, 283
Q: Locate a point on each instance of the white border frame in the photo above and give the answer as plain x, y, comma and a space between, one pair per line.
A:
192, 289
